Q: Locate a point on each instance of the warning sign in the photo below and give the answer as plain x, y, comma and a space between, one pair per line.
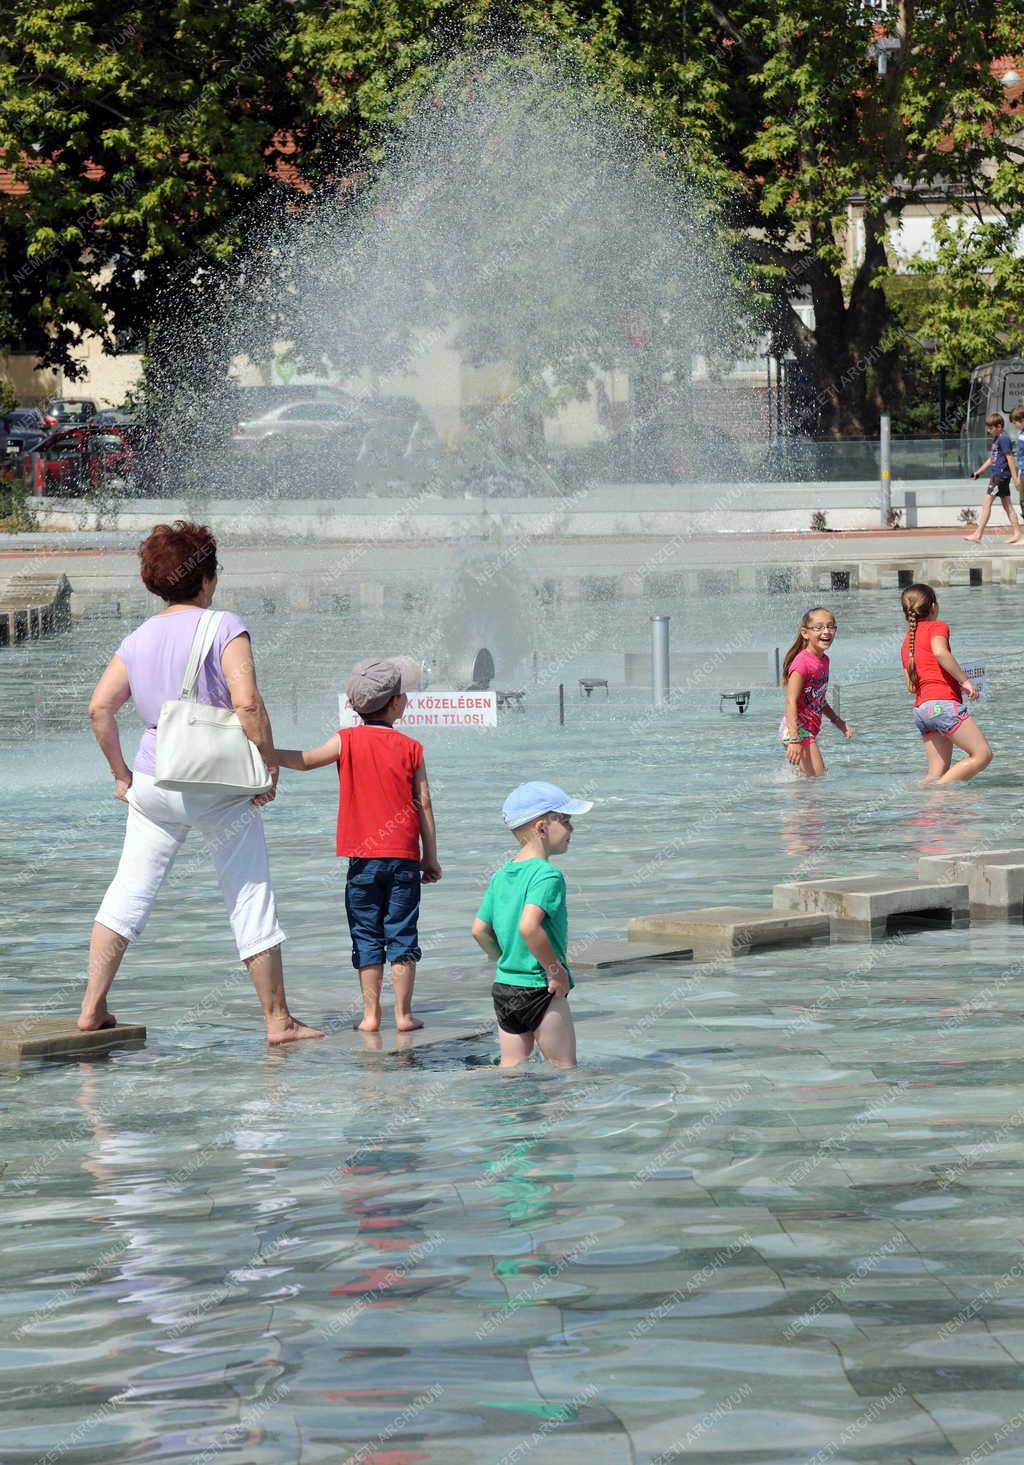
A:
975, 672
439, 708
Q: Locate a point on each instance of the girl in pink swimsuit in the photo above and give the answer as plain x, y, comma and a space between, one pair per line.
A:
805, 677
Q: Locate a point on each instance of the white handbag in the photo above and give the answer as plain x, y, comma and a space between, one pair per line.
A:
201, 749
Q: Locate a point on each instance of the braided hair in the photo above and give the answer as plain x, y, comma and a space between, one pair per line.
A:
918, 602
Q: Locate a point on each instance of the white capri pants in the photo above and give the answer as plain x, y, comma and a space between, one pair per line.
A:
159, 820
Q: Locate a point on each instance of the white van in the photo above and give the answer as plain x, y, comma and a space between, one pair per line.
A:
996, 386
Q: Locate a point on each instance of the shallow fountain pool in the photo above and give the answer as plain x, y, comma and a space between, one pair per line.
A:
773, 1216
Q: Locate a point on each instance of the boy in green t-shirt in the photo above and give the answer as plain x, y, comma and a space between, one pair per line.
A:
523, 925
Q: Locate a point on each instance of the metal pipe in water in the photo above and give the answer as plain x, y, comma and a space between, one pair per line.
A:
885, 470
659, 659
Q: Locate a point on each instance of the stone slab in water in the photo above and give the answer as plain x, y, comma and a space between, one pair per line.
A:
994, 878
54, 1037
387, 1040
730, 930
594, 955
868, 907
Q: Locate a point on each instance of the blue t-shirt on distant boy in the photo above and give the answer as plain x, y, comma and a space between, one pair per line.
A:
1001, 467
1000, 451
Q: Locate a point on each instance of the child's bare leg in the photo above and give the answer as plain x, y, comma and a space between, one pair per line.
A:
974, 743
986, 509
557, 1035
370, 979
811, 765
515, 1048
403, 979
939, 751
1011, 514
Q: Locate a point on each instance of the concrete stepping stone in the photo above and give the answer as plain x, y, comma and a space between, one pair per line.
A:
34, 603
595, 955
869, 907
730, 930
57, 1037
387, 1040
994, 878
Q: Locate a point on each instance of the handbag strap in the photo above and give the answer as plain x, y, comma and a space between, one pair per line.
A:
202, 640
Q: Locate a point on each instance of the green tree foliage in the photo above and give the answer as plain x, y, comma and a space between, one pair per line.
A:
820, 152
969, 306
147, 139
534, 224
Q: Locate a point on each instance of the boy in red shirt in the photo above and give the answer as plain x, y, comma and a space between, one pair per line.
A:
384, 815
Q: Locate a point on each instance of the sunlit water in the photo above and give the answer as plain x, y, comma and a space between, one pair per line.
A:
755, 1225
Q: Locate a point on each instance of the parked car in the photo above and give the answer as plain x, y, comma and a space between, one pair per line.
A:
361, 445
254, 401
296, 421
113, 417
61, 410
21, 430
79, 458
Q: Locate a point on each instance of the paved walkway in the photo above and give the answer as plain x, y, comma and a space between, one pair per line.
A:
303, 575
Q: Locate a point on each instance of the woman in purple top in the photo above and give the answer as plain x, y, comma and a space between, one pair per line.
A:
179, 563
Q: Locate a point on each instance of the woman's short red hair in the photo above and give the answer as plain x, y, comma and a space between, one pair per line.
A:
176, 559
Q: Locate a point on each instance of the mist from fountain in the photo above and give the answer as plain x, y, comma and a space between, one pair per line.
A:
522, 258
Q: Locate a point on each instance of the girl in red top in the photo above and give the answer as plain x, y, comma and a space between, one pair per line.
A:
936, 681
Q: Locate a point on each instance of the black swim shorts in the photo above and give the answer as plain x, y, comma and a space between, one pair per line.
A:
998, 487
520, 1009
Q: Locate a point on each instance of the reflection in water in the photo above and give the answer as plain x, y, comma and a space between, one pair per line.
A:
214, 1253
944, 825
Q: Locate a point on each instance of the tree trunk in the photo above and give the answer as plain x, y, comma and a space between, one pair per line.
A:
851, 376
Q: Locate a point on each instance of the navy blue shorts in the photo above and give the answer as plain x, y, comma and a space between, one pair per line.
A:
382, 902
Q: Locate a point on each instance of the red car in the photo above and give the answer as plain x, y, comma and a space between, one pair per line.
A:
72, 461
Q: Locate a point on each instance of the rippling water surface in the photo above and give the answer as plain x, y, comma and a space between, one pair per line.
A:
773, 1216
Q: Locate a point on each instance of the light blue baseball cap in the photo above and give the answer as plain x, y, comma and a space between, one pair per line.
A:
531, 800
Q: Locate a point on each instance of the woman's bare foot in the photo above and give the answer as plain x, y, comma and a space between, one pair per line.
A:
92, 1019
370, 1023
291, 1031
407, 1024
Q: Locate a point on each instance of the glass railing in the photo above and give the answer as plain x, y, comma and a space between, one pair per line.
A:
780, 461
854, 459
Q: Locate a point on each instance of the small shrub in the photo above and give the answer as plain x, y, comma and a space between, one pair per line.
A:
819, 521
894, 519
969, 516
16, 515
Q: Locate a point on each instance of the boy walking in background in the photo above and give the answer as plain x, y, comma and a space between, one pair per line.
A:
1017, 423
523, 925
386, 828
1001, 467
